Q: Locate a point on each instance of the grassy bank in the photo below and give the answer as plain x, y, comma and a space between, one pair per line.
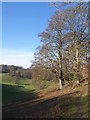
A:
12, 91
49, 102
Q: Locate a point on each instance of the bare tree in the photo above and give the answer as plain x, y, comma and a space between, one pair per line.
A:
77, 22
52, 45
65, 39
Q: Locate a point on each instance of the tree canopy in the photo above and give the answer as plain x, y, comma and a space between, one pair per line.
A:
64, 43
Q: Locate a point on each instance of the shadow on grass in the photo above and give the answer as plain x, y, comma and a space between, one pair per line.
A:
66, 106
11, 93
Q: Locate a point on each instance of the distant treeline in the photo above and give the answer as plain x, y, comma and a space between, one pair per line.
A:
14, 70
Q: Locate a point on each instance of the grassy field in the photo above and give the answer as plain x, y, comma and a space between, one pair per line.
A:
26, 101
12, 91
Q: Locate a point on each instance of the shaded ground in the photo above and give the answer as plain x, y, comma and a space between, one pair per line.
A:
11, 93
69, 102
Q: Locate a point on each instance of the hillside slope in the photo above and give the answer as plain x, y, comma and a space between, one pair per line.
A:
70, 102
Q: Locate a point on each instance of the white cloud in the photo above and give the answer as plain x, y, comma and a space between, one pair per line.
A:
16, 57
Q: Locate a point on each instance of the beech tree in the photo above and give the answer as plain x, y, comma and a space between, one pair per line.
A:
51, 51
78, 35
64, 43
76, 19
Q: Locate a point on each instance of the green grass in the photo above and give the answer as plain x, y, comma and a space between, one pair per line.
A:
84, 103
73, 107
6, 79
12, 91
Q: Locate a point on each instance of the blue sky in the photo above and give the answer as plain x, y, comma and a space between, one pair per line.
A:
22, 22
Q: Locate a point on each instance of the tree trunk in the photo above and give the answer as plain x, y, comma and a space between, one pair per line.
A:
77, 64
60, 72
60, 84
62, 78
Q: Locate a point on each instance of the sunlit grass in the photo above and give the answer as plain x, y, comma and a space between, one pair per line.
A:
70, 105
12, 91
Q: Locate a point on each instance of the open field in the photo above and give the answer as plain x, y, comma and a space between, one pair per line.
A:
12, 91
46, 103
